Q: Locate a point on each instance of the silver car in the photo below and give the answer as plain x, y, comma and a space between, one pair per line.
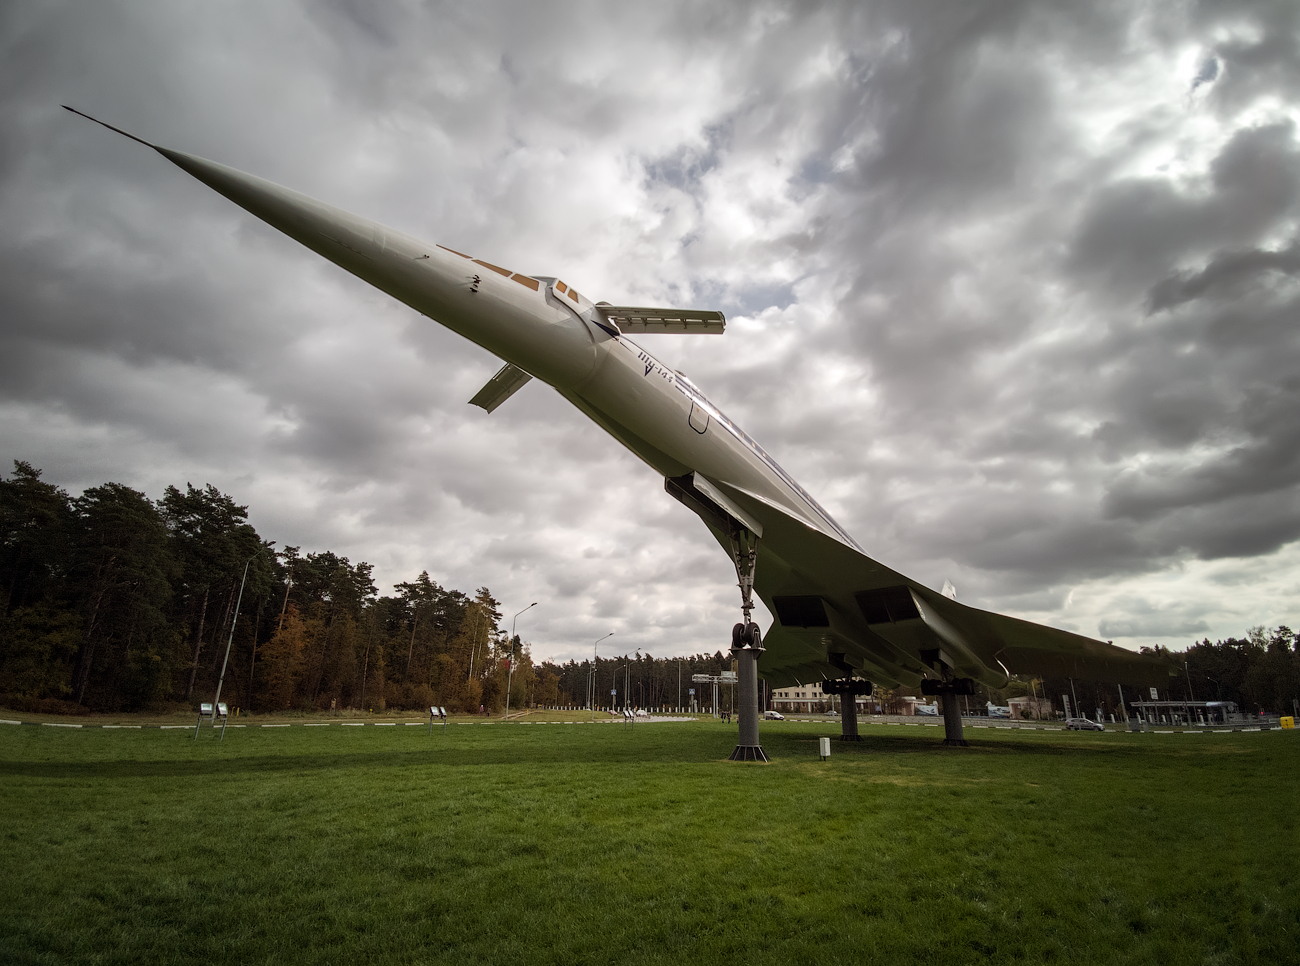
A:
1083, 724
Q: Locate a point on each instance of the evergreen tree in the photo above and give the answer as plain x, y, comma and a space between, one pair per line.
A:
120, 561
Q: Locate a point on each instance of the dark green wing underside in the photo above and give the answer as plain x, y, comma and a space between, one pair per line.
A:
838, 611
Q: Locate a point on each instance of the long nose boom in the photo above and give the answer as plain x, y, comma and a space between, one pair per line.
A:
515, 322
308, 221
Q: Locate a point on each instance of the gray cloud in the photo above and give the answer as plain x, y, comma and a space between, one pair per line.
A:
1153, 625
1139, 228
1225, 275
1260, 56
1012, 286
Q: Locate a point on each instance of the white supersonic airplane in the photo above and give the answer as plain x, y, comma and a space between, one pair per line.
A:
842, 618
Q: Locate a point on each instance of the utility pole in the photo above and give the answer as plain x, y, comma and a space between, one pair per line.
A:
594, 683
511, 672
473, 653
288, 586
230, 640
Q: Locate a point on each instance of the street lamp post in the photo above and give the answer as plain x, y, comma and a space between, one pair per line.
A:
614, 687
591, 687
230, 640
510, 673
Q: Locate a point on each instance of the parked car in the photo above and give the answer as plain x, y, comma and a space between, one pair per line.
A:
831, 714
1083, 724
773, 716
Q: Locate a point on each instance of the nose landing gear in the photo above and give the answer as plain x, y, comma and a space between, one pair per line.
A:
746, 646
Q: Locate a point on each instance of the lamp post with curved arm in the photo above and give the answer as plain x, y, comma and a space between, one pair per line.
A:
627, 679
591, 678
230, 640
613, 690
511, 672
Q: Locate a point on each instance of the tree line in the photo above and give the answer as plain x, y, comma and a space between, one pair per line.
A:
116, 602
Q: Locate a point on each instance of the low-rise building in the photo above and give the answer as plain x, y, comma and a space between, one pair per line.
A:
805, 698
1039, 709
808, 699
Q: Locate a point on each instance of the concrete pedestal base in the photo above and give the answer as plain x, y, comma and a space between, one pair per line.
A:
748, 749
849, 718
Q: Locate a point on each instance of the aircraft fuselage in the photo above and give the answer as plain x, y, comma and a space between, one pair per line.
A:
541, 325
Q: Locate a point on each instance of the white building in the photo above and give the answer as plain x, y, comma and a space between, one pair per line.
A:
808, 699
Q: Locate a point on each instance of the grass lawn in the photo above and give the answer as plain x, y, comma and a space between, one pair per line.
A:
566, 844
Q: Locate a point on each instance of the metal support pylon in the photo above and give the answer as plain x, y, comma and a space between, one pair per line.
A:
849, 713
953, 732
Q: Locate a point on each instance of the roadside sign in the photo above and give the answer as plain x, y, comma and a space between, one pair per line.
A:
1155, 696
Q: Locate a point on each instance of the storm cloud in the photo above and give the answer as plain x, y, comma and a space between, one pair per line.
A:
1013, 288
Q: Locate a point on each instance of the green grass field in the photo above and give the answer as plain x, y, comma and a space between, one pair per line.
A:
561, 844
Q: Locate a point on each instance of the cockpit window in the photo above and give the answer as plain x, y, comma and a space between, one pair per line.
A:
496, 268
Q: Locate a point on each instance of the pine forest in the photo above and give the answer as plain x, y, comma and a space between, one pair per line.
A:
115, 602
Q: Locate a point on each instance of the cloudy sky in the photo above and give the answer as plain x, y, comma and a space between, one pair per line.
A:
1012, 288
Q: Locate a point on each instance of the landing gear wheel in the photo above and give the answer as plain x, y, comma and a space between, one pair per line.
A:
738, 636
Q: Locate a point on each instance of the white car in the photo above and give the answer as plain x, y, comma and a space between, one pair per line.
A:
773, 716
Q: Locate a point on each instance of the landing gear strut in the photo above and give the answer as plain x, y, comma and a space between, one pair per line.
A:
746, 646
